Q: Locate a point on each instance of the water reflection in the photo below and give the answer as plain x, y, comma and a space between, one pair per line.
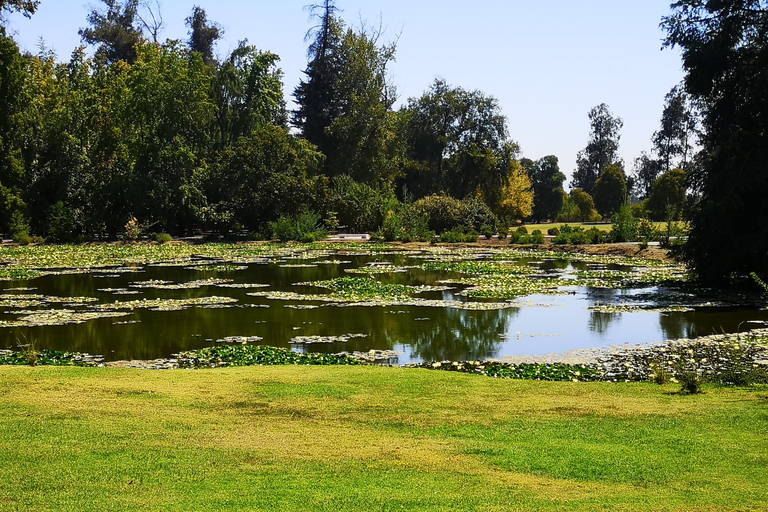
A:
462, 335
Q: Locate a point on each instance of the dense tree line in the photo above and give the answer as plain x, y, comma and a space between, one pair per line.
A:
169, 137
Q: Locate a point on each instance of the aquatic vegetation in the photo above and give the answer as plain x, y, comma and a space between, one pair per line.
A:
169, 285
164, 304
314, 340
242, 340
377, 269
634, 308
527, 371
218, 268
251, 355
58, 317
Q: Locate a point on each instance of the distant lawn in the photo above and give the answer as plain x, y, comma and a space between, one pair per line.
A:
661, 226
366, 438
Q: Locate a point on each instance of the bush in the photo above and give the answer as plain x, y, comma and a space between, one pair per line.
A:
503, 232
553, 231
595, 236
304, 227
487, 231
458, 235
444, 213
625, 226
163, 238
535, 238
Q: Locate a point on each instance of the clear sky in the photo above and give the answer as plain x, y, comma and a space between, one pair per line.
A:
548, 62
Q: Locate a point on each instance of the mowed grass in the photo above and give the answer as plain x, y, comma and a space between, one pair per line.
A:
606, 226
367, 438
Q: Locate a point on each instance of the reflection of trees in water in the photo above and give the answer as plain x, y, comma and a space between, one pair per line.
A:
676, 325
459, 335
600, 322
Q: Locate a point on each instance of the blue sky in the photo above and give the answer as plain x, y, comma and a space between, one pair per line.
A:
547, 62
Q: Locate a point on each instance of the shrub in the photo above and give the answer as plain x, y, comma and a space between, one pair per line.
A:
458, 235
442, 213
163, 238
304, 227
478, 214
647, 230
522, 230
503, 232
553, 231
625, 226
690, 382
487, 231
535, 238
595, 236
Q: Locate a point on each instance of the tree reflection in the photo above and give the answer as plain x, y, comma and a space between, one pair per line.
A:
460, 336
600, 322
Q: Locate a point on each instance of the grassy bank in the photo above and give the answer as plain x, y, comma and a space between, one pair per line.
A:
368, 438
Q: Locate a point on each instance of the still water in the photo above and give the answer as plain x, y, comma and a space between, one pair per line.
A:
536, 324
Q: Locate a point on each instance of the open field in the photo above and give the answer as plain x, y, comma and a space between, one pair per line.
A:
369, 438
606, 226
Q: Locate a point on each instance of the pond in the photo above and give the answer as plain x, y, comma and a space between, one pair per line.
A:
430, 304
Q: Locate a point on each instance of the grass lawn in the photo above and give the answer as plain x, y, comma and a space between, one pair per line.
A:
368, 438
661, 226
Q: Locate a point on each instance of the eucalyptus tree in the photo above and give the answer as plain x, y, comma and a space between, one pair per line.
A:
602, 149
114, 29
203, 34
675, 137
725, 56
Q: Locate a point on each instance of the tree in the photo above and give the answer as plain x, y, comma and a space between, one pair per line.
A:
646, 171
114, 30
26, 7
457, 143
610, 191
669, 194
602, 149
585, 204
344, 106
316, 97
248, 91
678, 128
13, 103
263, 176
547, 183
517, 198
203, 34
362, 139
724, 47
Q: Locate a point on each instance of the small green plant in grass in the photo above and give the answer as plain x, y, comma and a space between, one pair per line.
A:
29, 352
660, 375
690, 382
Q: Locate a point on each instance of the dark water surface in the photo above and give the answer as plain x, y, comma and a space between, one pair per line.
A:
538, 324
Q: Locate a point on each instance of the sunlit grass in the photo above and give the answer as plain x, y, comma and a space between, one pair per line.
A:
367, 438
